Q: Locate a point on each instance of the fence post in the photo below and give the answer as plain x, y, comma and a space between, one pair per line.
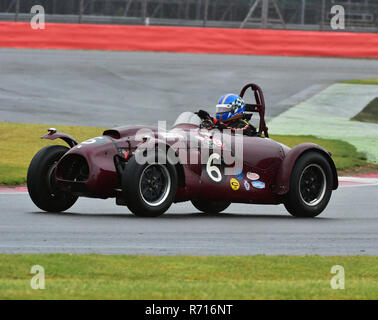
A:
264, 13
322, 14
17, 10
144, 11
303, 12
206, 8
81, 10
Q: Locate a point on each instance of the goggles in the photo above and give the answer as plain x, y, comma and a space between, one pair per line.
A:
222, 108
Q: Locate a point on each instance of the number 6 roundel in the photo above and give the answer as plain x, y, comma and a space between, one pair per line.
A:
212, 171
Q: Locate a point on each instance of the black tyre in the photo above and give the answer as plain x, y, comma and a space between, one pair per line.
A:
310, 186
150, 188
41, 181
210, 207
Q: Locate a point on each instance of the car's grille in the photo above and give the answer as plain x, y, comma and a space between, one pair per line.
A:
73, 168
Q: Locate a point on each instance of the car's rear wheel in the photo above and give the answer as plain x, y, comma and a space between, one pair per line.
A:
41, 181
310, 186
150, 188
210, 207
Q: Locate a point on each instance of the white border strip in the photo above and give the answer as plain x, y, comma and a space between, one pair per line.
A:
356, 182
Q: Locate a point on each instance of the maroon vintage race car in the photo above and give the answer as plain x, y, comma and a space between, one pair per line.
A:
185, 163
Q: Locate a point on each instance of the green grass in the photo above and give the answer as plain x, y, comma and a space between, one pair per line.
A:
362, 81
12, 175
187, 277
344, 154
19, 143
369, 113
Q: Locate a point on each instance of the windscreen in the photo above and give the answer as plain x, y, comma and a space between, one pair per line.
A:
187, 117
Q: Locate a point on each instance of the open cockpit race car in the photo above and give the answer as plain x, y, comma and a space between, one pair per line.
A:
148, 168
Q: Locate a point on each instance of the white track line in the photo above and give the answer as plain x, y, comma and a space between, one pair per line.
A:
358, 185
349, 182
358, 179
355, 182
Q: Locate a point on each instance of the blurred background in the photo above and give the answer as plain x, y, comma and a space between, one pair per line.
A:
360, 15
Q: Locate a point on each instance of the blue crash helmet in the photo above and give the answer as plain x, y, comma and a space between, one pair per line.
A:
229, 106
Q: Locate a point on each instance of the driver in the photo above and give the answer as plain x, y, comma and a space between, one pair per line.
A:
230, 114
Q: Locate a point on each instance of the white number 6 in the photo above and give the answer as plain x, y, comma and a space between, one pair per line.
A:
211, 169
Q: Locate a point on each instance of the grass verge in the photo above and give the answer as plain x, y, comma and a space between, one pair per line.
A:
19, 143
345, 155
362, 81
186, 277
369, 113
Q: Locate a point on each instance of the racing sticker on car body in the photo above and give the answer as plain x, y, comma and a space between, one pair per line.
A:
247, 186
253, 176
235, 185
258, 184
239, 174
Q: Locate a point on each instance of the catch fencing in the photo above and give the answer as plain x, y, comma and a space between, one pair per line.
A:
360, 15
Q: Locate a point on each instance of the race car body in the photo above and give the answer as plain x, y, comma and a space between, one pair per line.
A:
149, 168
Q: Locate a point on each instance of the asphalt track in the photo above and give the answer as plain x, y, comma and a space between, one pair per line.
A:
347, 227
106, 89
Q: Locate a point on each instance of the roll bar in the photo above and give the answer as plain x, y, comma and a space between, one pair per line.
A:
258, 107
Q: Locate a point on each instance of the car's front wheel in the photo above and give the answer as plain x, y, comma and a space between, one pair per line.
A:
310, 186
149, 188
41, 181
